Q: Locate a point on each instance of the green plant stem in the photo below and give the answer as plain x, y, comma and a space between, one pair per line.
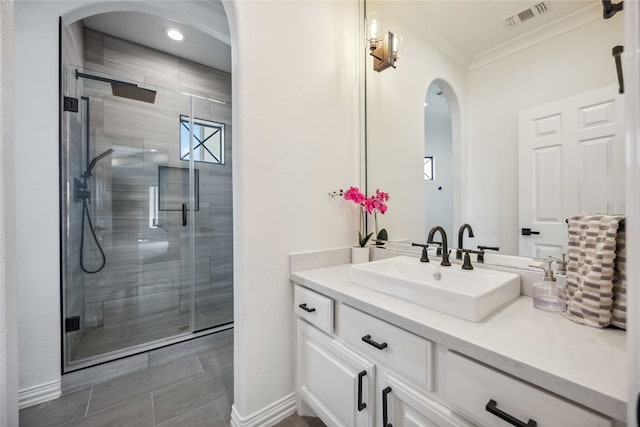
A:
375, 220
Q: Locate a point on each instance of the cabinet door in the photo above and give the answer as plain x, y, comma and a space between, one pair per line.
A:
401, 405
335, 382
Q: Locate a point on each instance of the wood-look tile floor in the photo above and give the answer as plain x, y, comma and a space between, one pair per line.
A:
195, 391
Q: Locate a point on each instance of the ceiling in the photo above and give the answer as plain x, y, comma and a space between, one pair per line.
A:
465, 29
148, 30
468, 29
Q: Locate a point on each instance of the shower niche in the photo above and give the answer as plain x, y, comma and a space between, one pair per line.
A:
146, 226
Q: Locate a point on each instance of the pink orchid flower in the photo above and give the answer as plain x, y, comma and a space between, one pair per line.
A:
354, 194
371, 205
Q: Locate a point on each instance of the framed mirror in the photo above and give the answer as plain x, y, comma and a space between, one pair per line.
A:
515, 107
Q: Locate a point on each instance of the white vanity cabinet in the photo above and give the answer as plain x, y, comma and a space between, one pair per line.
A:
334, 381
337, 383
401, 405
391, 346
354, 370
487, 396
367, 372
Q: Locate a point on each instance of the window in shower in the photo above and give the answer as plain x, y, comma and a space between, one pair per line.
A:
208, 138
428, 168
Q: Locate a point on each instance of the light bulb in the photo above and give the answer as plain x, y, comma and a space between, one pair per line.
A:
374, 24
374, 29
397, 45
174, 34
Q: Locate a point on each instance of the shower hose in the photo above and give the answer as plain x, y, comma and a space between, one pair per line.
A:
85, 213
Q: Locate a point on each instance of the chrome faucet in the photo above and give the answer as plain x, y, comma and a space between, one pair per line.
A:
460, 236
445, 249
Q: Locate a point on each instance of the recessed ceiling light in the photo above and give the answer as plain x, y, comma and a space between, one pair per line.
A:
174, 34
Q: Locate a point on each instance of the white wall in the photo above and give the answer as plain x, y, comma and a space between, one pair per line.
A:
574, 62
36, 138
296, 139
8, 324
296, 92
395, 125
631, 64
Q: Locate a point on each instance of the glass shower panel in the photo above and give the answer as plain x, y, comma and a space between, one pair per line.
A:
128, 247
213, 229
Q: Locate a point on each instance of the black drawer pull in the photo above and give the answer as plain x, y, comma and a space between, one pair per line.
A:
361, 404
529, 232
307, 309
492, 407
368, 340
385, 412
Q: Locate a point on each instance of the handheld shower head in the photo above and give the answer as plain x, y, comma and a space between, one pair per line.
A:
96, 160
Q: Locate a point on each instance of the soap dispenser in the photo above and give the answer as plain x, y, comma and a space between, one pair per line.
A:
547, 295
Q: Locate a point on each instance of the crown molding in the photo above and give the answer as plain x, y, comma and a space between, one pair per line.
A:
539, 35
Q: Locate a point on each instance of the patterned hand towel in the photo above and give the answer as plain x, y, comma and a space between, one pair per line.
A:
619, 312
591, 269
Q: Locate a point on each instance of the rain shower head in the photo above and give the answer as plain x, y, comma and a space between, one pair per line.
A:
123, 89
134, 92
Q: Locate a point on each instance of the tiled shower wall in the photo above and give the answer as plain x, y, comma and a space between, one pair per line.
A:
144, 288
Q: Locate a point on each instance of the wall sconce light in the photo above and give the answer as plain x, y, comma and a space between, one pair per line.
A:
384, 46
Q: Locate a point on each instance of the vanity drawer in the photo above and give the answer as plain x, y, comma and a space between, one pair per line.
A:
476, 389
401, 350
314, 308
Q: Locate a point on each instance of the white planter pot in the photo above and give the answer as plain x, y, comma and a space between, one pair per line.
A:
359, 255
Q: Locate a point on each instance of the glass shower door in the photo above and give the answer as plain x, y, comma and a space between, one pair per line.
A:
210, 150
129, 207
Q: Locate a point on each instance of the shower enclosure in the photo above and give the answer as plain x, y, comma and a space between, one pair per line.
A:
146, 214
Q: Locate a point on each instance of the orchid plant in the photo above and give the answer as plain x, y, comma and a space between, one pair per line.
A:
372, 204
378, 204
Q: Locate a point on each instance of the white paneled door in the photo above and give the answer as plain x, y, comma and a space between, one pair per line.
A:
571, 161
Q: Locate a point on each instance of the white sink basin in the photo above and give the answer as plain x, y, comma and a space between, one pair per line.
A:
467, 294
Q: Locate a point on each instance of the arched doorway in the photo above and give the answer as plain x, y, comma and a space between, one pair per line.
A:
146, 197
441, 156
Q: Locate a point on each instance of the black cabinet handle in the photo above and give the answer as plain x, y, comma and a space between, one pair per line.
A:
638, 410
529, 232
492, 248
307, 309
492, 407
184, 214
379, 346
385, 411
361, 404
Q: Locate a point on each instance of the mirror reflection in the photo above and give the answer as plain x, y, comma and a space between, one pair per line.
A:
438, 165
501, 114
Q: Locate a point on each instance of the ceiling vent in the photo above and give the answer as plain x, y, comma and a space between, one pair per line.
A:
537, 9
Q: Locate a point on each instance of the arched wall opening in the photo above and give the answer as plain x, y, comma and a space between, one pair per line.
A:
443, 136
199, 106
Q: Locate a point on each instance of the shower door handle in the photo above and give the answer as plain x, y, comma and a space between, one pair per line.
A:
184, 214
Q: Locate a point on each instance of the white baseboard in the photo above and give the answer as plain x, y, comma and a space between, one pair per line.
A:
267, 416
39, 393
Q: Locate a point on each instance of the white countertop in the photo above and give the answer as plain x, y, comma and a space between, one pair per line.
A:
584, 364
